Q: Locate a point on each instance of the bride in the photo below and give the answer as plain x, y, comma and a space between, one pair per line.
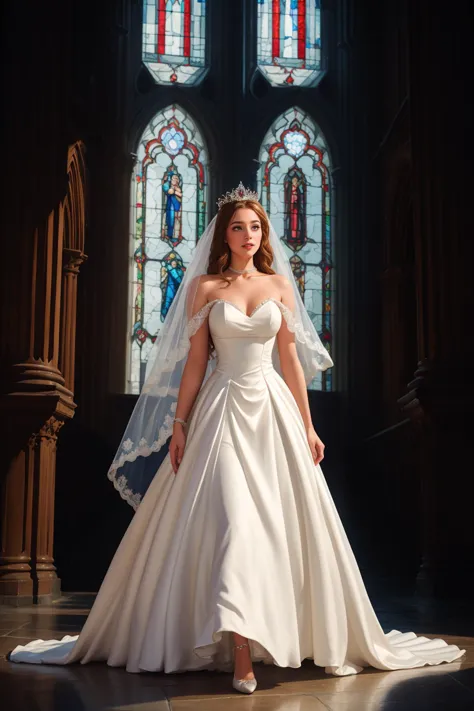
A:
236, 552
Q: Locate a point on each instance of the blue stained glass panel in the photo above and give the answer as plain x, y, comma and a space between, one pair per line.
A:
168, 214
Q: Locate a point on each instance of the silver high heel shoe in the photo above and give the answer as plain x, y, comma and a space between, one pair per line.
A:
245, 686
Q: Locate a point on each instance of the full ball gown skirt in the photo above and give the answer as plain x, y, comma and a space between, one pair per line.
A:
244, 538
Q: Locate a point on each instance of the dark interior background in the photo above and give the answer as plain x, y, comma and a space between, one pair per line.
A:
396, 108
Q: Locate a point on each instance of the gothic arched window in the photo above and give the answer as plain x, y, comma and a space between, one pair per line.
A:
295, 188
169, 199
174, 40
289, 41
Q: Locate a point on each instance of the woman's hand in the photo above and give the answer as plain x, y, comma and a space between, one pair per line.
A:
316, 445
177, 445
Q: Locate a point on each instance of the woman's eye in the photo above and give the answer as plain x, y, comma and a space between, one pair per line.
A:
238, 227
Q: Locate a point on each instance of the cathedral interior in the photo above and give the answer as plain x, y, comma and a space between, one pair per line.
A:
124, 121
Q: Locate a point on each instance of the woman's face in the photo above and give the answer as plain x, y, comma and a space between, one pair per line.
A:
244, 232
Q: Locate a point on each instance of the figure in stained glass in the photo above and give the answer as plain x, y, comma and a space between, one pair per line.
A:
172, 197
295, 210
172, 272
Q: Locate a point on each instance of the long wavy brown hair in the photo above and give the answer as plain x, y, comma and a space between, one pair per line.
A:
220, 254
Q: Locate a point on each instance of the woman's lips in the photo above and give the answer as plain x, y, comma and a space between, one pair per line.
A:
247, 246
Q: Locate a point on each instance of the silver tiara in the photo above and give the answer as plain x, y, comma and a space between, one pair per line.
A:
237, 194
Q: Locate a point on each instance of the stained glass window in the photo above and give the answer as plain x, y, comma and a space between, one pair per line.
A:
295, 186
169, 200
289, 41
174, 40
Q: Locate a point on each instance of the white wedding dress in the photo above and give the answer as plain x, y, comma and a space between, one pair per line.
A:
244, 538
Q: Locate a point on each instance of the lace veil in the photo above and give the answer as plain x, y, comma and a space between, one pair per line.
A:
151, 423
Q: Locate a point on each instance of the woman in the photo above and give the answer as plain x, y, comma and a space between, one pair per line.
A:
236, 553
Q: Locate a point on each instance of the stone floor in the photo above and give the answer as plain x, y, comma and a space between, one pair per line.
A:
96, 687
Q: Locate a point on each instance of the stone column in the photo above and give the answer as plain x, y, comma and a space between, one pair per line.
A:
34, 407
73, 258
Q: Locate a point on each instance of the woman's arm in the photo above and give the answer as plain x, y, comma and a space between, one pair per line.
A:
293, 373
191, 380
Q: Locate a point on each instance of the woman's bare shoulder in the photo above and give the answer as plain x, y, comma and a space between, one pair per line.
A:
206, 278
280, 280
202, 280
208, 281
202, 287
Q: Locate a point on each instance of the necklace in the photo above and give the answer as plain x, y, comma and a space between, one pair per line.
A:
242, 271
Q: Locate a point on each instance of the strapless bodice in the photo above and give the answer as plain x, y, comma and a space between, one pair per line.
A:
244, 343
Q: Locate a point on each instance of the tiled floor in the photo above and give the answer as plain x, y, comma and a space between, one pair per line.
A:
96, 687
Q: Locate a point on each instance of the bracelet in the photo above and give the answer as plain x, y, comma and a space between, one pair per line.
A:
178, 419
